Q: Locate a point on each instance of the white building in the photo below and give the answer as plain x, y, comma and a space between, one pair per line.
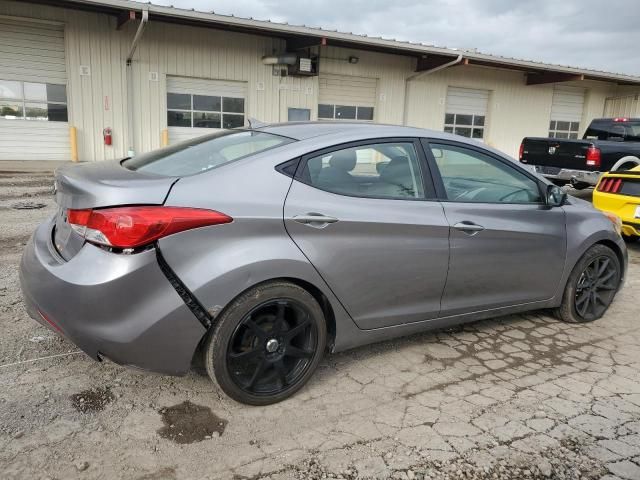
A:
154, 75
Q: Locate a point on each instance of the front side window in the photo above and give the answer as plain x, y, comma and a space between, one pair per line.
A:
466, 125
344, 112
381, 170
204, 153
204, 111
562, 129
472, 176
33, 101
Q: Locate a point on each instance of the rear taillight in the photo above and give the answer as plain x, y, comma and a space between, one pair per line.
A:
610, 185
521, 151
131, 227
593, 156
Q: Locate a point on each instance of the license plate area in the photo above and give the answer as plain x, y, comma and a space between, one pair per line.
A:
637, 215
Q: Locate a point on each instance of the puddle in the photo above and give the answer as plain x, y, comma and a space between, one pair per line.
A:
92, 400
189, 423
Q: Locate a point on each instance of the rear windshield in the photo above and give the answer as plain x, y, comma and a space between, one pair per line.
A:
204, 153
627, 131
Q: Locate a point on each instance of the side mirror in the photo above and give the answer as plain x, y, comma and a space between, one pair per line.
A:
555, 196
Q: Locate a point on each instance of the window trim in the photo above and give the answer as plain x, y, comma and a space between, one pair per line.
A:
193, 111
338, 119
430, 192
24, 101
472, 127
439, 184
553, 132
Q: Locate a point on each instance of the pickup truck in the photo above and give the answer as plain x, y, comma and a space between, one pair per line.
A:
609, 144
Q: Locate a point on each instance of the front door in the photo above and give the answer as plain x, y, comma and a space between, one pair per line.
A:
361, 215
507, 247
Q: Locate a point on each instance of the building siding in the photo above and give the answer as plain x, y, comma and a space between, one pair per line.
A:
100, 99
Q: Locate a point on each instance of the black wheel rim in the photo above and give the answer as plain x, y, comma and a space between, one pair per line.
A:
272, 347
596, 287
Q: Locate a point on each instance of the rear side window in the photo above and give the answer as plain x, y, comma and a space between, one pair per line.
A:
378, 170
204, 153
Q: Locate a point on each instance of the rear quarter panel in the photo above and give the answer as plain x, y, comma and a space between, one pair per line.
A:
220, 262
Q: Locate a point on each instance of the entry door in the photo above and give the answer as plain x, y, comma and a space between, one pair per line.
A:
507, 247
360, 215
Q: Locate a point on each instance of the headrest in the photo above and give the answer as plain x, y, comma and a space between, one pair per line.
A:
314, 165
397, 172
344, 160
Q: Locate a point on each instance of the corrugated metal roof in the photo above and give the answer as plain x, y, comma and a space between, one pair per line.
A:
358, 40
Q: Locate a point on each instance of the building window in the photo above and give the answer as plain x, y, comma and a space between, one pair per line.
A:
204, 111
466, 125
33, 101
560, 129
345, 112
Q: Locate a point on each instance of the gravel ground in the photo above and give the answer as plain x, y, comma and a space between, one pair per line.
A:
519, 397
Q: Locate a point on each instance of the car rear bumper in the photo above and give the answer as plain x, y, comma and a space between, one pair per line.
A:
631, 229
113, 305
568, 175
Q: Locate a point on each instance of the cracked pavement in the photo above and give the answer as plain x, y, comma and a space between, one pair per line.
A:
523, 396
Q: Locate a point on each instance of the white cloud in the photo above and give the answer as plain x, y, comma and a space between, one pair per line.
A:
584, 33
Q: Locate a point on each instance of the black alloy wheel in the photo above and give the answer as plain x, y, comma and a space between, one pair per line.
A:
591, 287
596, 288
267, 343
271, 347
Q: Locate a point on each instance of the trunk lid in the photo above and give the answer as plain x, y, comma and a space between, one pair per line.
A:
101, 184
556, 153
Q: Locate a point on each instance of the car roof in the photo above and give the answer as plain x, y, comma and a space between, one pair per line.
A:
364, 131
304, 130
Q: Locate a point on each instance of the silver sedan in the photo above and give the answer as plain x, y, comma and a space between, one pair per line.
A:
259, 249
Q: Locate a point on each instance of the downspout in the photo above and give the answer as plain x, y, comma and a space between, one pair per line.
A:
418, 75
129, 72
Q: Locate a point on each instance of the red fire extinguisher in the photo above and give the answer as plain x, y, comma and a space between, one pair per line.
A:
108, 136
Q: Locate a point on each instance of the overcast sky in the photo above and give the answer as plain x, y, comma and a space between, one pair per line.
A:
604, 35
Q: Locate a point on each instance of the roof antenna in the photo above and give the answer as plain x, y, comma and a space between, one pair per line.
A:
254, 123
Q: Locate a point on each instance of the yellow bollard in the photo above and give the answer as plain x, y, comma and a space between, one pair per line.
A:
164, 138
73, 140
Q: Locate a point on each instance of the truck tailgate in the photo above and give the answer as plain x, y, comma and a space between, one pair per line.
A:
555, 152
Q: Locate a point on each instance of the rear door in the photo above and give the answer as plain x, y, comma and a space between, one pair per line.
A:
507, 247
365, 217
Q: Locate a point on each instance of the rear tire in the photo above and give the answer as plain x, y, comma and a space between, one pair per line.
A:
591, 286
267, 343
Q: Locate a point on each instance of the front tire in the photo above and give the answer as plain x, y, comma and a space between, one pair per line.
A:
591, 287
267, 343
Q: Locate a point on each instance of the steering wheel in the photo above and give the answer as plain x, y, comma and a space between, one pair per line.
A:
471, 194
510, 194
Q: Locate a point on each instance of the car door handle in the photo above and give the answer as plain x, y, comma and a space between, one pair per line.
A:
468, 227
315, 219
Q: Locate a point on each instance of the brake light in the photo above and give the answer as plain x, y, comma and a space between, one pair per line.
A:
620, 119
610, 185
521, 152
593, 156
131, 227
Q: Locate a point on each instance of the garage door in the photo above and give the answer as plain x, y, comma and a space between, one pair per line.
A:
33, 97
345, 97
466, 112
566, 112
197, 106
625, 106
